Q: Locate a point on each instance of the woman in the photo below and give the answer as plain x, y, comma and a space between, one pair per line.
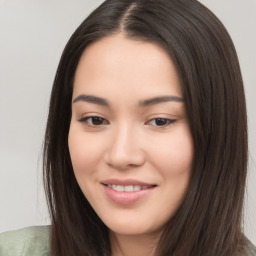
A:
146, 142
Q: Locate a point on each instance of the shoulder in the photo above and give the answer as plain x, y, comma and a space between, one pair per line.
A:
31, 241
250, 249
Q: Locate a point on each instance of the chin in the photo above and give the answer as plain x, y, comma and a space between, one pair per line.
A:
132, 227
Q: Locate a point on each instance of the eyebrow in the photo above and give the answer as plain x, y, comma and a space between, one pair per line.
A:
91, 99
160, 99
144, 103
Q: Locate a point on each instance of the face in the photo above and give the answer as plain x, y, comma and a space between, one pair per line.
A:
129, 139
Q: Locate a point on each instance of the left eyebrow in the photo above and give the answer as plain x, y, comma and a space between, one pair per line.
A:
92, 99
158, 100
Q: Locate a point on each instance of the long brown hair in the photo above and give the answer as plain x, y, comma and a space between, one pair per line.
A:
208, 221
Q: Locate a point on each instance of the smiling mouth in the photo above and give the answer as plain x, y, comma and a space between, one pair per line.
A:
128, 188
127, 192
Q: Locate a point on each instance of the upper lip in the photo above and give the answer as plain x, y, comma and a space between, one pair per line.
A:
126, 182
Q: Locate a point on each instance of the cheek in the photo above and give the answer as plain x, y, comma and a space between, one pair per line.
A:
174, 161
173, 154
85, 152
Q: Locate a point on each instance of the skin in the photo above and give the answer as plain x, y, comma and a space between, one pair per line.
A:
127, 141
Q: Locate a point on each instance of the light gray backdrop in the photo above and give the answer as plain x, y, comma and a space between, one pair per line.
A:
32, 36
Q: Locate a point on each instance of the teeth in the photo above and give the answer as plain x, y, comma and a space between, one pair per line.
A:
129, 188
136, 188
119, 188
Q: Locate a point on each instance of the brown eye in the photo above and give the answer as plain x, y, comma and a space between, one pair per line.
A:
161, 122
94, 120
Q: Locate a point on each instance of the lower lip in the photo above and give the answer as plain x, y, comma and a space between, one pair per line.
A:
126, 198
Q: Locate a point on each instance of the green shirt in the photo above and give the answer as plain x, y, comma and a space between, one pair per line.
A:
31, 241
34, 241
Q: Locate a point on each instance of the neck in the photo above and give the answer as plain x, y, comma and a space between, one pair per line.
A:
133, 245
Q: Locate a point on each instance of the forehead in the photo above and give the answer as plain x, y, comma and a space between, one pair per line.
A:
117, 63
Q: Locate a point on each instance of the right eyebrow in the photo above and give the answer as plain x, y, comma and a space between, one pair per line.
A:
160, 99
91, 99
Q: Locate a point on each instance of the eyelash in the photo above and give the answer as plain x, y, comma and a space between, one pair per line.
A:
103, 121
96, 118
166, 120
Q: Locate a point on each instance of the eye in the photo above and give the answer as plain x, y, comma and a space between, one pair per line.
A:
161, 122
93, 121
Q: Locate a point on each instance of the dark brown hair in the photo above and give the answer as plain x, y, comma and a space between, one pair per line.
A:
209, 220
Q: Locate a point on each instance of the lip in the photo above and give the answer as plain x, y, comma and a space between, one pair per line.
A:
126, 198
125, 182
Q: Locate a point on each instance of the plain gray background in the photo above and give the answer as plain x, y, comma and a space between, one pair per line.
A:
33, 34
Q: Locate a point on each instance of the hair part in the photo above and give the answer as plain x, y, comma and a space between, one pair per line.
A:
208, 221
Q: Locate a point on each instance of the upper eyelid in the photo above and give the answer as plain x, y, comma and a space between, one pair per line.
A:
150, 119
168, 119
90, 115
84, 121
93, 116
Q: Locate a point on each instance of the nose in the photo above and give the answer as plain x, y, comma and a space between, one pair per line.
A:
125, 149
